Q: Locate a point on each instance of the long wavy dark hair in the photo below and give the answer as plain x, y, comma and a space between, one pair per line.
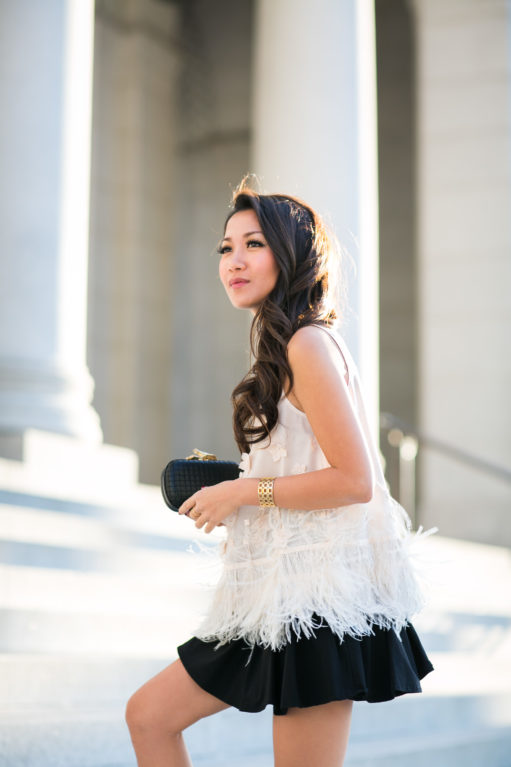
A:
307, 292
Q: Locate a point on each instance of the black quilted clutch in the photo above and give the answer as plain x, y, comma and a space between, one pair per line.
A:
182, 477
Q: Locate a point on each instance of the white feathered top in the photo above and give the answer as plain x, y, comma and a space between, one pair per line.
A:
351, 565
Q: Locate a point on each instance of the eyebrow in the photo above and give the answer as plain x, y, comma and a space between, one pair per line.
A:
256, 231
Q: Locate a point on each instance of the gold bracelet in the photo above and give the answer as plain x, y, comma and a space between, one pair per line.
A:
265, 492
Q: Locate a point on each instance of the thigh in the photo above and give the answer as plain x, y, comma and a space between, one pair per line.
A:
171, 700
316, 735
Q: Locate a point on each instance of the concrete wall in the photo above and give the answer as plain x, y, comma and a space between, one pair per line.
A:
464, 203
170, 139
210, 337
398, 286
133, 161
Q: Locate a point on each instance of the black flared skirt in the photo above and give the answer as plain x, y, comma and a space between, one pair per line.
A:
309, 671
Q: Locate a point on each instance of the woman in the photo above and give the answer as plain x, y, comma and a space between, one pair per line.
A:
313, 607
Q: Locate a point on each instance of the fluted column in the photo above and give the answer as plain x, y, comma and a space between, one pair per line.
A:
46, 54
314, 123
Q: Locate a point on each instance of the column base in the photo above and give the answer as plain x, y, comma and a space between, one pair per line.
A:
44, 463
36, 395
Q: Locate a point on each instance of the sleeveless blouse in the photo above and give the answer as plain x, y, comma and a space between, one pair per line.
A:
352, 565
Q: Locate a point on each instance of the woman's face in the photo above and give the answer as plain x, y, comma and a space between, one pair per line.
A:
248, 269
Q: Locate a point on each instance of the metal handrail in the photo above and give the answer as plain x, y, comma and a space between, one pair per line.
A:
407, 439
388, 421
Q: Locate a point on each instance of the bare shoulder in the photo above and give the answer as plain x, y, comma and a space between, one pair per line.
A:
321, 388
307, 339
312, 347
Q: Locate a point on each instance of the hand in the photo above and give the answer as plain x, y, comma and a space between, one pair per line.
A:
210, 505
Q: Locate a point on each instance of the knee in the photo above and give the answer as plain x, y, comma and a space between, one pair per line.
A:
143, 715
136, 713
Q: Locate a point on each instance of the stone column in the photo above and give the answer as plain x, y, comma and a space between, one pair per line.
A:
46, 54
464, 203
314, 122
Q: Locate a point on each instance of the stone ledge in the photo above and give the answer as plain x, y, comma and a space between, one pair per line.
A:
41, 461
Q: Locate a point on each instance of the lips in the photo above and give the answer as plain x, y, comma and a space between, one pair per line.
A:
237, 282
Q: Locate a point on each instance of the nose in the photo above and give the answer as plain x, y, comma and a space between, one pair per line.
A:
237, 260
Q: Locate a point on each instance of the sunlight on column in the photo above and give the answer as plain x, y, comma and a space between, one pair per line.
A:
368, 271
75, 181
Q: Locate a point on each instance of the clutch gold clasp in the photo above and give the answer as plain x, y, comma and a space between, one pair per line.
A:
200, 455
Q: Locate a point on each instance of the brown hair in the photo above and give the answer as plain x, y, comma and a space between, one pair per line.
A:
305, 293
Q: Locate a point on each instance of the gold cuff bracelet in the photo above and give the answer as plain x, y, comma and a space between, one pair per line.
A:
265, 492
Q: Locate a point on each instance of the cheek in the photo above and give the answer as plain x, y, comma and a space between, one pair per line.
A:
268, 268
275, 271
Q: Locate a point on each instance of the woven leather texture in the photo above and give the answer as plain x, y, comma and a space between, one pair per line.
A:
181, 478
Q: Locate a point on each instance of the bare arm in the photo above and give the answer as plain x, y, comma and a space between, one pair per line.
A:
320, 388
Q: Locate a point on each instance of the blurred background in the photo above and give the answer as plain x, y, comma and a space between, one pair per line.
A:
126, 126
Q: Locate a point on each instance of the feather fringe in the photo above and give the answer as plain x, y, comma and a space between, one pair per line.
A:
361, 568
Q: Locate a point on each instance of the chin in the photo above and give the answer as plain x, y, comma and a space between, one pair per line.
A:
237, 303
244, 305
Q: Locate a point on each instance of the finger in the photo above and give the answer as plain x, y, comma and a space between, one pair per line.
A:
203, 522
187, 506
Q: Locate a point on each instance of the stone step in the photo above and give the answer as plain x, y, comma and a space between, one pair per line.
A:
143, 522
142, 507
40, 588
144, 610
118, 558
470, 577
106, 613
32, 631
59, 467
55, 525
47, 462
465, 631
98, 737
73, 680
85, 537
98, 613
476, 694
488, 746
117, 585
481, 746
89, 528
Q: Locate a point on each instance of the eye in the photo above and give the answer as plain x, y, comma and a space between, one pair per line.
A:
226, 248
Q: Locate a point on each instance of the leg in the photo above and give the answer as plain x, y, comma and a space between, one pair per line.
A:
160, 710
316, 736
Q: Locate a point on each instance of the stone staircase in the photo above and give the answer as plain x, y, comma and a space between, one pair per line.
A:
96, 593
